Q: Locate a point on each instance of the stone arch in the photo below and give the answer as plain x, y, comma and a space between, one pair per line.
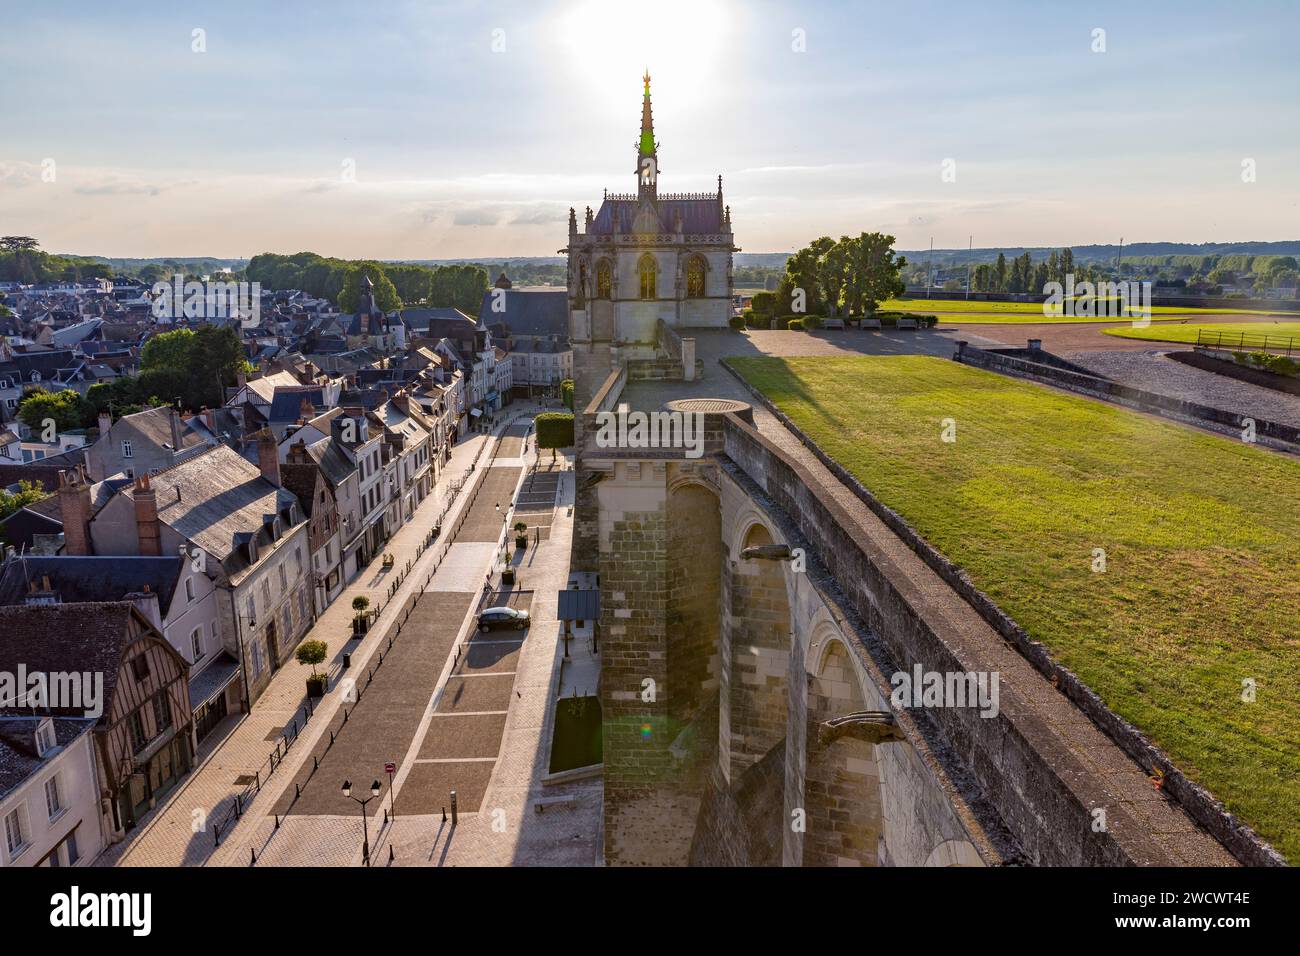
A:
954, 853
842, 792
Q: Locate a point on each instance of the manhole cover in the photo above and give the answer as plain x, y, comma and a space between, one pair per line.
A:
244, 779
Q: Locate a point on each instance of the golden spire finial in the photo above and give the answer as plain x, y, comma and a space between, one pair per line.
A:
646, 78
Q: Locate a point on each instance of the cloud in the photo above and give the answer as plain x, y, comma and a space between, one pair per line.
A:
540, 214
119, 189
476, 216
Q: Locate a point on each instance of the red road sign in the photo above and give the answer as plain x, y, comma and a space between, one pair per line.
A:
390, 768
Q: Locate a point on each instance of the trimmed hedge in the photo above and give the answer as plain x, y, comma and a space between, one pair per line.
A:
566, 392
737, 322
554, 429
765, 303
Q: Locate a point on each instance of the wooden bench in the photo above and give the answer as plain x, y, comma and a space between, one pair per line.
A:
907, 324
833, 324
870, 323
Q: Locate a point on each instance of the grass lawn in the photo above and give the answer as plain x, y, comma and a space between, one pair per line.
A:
1174, 332
1201, 533
999, 313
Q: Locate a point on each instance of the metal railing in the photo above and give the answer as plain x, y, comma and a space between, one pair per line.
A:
231, 809
1254, 341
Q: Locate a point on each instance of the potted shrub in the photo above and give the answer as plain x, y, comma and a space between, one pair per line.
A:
361, 619
521, 535
313, 653
508, 575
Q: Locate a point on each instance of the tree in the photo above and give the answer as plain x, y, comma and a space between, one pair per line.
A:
313, 653
801, 271
554, 430
386, 297
66, 409
874, 272
833, 272
168, 349
1000, 274
27, 493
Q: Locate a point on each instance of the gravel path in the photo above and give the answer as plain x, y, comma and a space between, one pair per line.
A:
1151, 370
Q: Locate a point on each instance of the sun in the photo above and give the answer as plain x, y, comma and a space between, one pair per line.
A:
608, 44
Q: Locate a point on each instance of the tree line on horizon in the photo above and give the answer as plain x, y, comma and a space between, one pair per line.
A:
395, 285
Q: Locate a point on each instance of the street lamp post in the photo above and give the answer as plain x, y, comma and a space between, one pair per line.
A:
365, 825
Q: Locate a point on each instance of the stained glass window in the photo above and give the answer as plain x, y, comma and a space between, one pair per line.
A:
647, 270
695, 277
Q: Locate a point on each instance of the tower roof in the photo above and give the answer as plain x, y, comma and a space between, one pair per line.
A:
647, 145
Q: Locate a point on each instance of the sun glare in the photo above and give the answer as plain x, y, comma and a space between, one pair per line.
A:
607, 44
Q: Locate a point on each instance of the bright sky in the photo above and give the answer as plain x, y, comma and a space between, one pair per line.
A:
467, 129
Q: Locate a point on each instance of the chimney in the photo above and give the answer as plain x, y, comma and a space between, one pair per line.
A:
146, 518
268, 456
175, 422
74, 507
209, 416
241, 379
298, 453
105, 422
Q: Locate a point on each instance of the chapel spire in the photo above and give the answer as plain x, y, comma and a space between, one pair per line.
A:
647, 156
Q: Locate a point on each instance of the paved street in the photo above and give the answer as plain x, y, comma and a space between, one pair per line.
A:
453, 708
183, 831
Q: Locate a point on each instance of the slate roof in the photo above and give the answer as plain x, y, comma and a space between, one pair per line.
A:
529, 312
698, 216
101, 493
21, 527
46, 471
266, 386
47, 363
92, 579
18, 759
65, 637
217, 500
300, 478
437, 323
286, 406
333, 461
154, 426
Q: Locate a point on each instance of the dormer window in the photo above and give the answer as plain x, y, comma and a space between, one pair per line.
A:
45, 737
36, 376
126, 449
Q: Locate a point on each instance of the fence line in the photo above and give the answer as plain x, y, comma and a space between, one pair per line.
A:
1247, 340
287, 738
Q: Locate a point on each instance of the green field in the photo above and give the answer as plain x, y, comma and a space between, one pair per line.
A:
1201, 534
1000, 313
1174, 332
